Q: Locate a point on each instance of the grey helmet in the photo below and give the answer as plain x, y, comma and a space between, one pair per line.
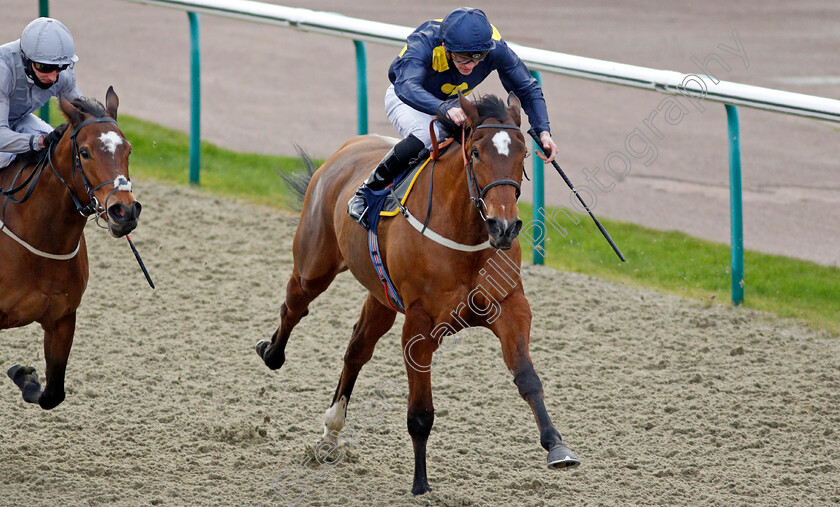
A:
47, 40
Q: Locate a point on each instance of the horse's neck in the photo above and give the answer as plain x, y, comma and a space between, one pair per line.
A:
453, 214
49, 212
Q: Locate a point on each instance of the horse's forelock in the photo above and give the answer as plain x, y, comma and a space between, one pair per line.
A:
491, 106
89, 106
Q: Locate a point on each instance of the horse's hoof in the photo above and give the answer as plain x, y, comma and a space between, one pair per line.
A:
421, 488
561, 456
260, 348
274, 359
27, 381
48, 402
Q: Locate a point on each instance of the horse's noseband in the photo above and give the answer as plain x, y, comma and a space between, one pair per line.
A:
477, 193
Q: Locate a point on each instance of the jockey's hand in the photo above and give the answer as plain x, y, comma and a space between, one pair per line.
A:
550, 147
457, 115
51, 138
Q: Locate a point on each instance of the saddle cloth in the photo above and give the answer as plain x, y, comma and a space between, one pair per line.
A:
385, 203
403, 187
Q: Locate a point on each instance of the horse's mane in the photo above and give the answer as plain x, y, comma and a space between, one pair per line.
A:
86, 105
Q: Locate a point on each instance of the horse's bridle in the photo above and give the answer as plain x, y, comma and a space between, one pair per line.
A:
477, 193
120, 182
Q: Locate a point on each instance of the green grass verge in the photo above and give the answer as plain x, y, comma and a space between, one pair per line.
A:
693, 268
663, 260
162, 154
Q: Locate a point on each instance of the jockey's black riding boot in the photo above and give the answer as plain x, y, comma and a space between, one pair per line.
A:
392, 165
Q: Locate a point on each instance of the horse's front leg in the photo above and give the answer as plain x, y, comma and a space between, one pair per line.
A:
58, 338
418, 348
513, 328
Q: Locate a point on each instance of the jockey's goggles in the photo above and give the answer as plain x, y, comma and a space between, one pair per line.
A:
465, 58
46, 68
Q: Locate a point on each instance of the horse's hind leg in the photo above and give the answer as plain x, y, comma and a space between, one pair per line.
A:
375, 321
513, 328
58, 338
300, 292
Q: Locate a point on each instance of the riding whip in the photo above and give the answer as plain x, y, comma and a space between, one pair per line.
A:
140, 261
533, 133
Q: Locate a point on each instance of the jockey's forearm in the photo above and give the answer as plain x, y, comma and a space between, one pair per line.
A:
15, 142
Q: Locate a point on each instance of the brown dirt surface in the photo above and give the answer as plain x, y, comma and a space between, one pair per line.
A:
666, 401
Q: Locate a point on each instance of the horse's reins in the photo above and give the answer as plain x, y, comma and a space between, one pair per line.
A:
474, 188
477, 193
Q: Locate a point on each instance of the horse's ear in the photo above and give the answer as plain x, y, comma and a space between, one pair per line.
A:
74, 116
469, 108
112, 102
514, 108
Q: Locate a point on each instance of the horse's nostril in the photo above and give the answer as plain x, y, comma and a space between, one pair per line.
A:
120, 213
513, 230
494, 227
117, 211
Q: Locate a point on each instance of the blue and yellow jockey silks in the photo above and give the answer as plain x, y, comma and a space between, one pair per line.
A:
426, 81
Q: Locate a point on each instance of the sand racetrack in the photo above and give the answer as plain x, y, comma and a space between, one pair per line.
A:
666, 401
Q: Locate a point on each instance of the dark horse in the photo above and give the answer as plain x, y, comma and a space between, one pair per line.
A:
43, 257
443, 290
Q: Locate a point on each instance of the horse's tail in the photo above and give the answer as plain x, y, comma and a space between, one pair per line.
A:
297, 182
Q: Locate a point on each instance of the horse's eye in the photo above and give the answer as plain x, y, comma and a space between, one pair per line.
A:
84, 153
475, 154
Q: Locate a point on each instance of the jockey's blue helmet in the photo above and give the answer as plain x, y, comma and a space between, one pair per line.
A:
467, 30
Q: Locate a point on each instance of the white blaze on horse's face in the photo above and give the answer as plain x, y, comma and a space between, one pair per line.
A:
110, 140
501, 141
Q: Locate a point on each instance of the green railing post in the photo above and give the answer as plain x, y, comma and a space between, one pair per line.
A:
736, 209
361, 86
195, 99
539, 196
44, 12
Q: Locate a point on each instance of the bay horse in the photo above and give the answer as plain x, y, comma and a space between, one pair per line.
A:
443, 289
43, 255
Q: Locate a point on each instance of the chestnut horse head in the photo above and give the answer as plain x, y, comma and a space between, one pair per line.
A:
98, 179
494, 155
